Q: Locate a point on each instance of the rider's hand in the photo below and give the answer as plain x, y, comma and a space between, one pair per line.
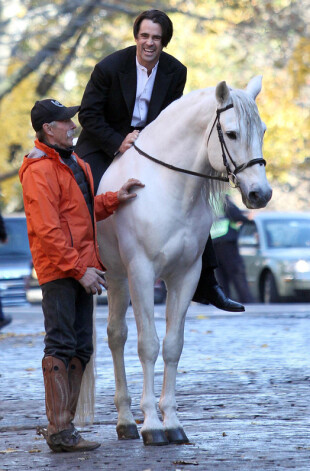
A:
123, 194
92, 280
128, 141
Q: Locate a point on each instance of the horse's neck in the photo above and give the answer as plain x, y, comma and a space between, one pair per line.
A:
177, 137
177, 133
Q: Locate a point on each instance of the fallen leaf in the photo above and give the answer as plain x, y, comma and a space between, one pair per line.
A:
8, 450
35, 450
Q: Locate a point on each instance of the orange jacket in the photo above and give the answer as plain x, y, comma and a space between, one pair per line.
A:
62, 239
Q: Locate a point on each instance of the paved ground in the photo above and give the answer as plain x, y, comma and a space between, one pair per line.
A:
242, 389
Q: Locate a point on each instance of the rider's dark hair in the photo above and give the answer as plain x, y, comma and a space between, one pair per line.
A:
159, 17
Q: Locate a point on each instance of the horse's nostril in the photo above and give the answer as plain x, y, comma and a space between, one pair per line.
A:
260, 199
254, 196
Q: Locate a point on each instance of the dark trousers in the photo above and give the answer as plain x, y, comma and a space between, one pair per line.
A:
207, 277
68, 320
231, 270
1, 311
209, 260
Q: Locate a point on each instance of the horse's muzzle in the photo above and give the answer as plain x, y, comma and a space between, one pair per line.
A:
257, 198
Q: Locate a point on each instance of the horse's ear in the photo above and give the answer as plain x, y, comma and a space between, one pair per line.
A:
254, 86
222, 92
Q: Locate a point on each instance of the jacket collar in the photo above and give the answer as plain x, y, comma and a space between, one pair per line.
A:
128, 82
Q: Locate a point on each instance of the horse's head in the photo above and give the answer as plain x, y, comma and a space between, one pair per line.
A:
235, 140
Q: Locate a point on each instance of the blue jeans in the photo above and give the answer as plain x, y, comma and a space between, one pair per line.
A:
68, 320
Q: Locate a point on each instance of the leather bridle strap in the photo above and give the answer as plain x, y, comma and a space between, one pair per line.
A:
217, 118
259, 161
238, 168
178, 169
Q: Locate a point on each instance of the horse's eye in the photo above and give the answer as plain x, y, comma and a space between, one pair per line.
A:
231, 135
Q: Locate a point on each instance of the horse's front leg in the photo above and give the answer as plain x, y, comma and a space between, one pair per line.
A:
118, 298
142, 298
180, 292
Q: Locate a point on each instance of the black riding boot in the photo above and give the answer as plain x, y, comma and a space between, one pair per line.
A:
208, 290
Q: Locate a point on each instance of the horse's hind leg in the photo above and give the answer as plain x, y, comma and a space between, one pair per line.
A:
118, 297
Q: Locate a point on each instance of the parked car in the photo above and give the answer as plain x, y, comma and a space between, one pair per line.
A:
275, 247
34, 294
15, 261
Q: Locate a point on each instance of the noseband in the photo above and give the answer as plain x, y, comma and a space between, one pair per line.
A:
238, 168
231, 176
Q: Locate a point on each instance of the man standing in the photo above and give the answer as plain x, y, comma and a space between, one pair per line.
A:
126, 91
231, 269
61, 213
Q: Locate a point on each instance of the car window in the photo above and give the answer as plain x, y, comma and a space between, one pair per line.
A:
248, 234
287, 233
17, 241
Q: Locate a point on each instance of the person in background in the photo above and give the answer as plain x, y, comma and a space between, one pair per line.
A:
4, 320
127, 90
61, 213
231, 269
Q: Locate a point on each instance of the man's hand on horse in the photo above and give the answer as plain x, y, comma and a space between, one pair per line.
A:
123, 194
93, 280
128, 141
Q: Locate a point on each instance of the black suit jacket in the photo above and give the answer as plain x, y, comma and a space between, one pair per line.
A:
108, 103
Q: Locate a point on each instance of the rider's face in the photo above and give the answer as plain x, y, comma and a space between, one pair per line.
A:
149, 44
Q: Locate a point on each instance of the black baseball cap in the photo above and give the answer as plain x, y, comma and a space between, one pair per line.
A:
46, 111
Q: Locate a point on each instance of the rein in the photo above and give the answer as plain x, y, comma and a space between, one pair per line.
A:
231, 176
178, 169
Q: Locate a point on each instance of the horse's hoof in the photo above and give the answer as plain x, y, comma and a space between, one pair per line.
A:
127, 432
176, 435
154, 438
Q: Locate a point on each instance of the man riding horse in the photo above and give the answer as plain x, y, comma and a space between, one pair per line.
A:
127, 90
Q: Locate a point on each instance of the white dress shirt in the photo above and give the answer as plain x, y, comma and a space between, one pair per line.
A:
145, 86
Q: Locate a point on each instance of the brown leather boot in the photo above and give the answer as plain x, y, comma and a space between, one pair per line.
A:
75, 375
61, 435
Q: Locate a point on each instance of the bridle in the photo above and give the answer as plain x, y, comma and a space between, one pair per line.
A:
231, 176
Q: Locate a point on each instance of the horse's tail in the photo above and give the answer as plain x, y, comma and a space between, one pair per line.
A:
86, 405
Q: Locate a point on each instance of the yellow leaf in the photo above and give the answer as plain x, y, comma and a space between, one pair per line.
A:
8, 450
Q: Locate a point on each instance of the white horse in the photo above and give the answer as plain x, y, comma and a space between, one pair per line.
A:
163, 231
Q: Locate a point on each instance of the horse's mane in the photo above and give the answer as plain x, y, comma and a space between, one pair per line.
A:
247, 111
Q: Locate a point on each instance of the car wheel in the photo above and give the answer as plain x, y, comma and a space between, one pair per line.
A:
269, 289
